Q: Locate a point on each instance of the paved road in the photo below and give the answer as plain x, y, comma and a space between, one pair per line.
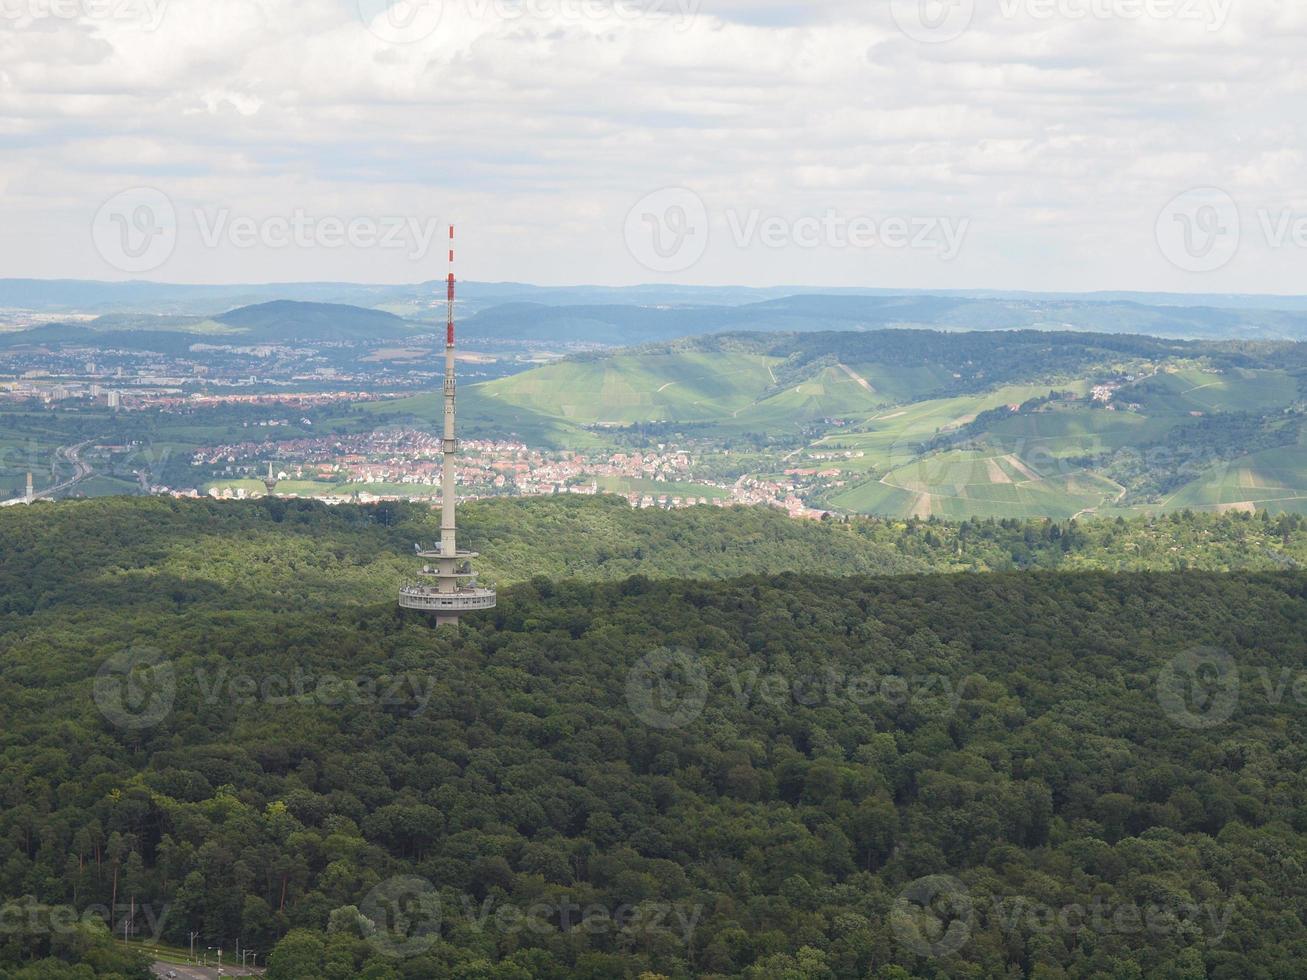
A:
201, 972
81, 470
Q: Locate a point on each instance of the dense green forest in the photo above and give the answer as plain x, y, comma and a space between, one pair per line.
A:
756, 748
300, 552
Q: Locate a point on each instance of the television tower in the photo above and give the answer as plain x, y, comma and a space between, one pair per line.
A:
270, 481
454, 591
30, 497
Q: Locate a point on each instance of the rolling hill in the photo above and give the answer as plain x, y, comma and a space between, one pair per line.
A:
275, 322
286, 320
624, 325
621, 316
1010, 425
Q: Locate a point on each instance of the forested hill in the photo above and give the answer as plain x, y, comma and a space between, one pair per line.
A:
776, 776
292, 553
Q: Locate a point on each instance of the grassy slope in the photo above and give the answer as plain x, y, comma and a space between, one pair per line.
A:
689, 386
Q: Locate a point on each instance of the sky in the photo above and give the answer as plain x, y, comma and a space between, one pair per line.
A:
1009, 144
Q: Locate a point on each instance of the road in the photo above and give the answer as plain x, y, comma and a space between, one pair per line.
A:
201, 972
81, 470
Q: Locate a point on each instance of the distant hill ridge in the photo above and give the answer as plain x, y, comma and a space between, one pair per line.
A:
278, 321
621, 316
290, 320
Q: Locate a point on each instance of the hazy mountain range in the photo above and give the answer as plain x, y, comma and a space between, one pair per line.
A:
623, 316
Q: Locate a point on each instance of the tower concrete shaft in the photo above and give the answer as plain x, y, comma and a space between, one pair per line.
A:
449, 481
455, 591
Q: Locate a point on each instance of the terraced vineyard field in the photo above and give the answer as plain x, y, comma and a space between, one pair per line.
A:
682, 386
971, 484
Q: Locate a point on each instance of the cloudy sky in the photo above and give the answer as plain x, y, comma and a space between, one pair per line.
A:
1037, 144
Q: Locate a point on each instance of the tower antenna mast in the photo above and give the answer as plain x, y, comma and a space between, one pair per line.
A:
455, 591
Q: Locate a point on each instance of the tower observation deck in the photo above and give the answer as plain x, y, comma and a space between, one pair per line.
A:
450, 588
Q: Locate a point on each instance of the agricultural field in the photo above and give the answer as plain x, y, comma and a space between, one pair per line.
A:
960, 485
1273, 479
681, 386
892, 437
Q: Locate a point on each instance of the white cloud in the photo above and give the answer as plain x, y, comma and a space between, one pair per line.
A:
537, 124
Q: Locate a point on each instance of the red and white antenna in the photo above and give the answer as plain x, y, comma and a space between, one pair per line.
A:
449, 331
